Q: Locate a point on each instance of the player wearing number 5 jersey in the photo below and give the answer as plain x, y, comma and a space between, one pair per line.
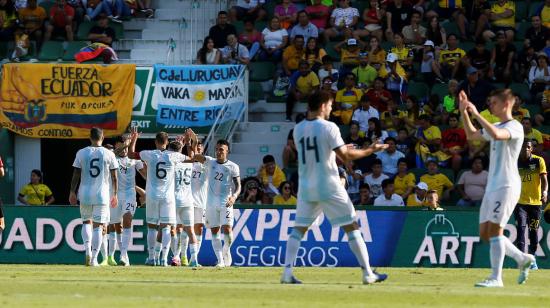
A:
95, 169
504, 185
224, 187
320, 190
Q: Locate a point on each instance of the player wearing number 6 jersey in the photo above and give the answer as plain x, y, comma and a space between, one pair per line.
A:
95, 169
320, 189
504, 185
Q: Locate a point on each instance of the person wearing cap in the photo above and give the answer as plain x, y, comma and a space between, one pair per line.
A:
342, 18
414, 33
389, 197
418, 198
503, 18
293, 54
539, 75
302, 84
436, 180
347, 98
349, 53
252, 193
366, 74
285, 197
537, 35
429, 67
477, 89
479, 57
450, 58
502, 57
395, 76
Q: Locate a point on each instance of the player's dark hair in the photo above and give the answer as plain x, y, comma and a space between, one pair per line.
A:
377, 161
175, 146
224, 142
268, 159
96, 133
318, 98
390, 139
402, 160
453, 116
121, 139
38, 173
364, 185
109, 146
386, 182
161, 138
502, 94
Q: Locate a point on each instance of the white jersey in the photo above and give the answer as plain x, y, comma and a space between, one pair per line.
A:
95, 164
503, 169
199, 185
161, 173
184, 198
395, 200
220, 181
316, 141
127, 168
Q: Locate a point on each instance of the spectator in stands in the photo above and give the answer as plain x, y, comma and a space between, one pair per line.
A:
518, 112
9, 18
365, 164
472, 183
410, 115
36, 192
405, 145
378, 95
389, 197
234, 53
319, 14
398, 15
347, 98
437, 181
539, 76
354, 138
432, 201
327, 84
114, 9
290, 154
61, 21
450, 101
477, 89
429, 67
448, 10
221, 30
252, 193
453, 142
343, 17
314, 54
478, 12
414, 33
304, 27
404, 54
293, 54
390, 157
32, 19
102, 33
436, 33
532, 133
480, 58
208, 54
364, 113
248, 9
450, 58
377, 55
537, 35
328, 70
428, 137
273, 41
354, 180
271, 176
390, 119
349, 51
302, 84
372, 20
404, 180
503, 14
375, 133
285, 197
250, 37
544, 12
287, 13
419, 196
502, 57
79, 10
396, 77
364, 195
375, 179
366, 74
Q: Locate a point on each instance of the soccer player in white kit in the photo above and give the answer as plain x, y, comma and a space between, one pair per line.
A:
504, 186
319, 188
224, 187
95, 168
199, 189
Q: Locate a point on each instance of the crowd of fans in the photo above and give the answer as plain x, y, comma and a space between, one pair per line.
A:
395, 68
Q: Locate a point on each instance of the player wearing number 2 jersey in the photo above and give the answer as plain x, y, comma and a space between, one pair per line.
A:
504, 185
95, 168
319, 189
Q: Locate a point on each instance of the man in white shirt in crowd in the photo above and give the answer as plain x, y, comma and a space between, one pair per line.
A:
375, 179
390, 157
388, 198
364, 113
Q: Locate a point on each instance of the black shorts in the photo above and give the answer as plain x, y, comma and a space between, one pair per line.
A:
528, 215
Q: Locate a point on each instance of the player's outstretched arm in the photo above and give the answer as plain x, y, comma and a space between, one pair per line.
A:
472, 133
466, 106
347, 153
134, 135
74, 184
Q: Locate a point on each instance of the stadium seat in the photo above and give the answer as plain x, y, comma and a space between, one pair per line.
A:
344, 130
119, 29
545, 129
277, 99
3, 50
72, 49
418, 172
466, 46
261, 71
449, 173
521, 10
329, 48
417, 89
533, 109
534, 7
51, 51
386, 46
255, 91
521, 29
450, 27
47, 5
522, 90
239, 26
440, 89
84, 30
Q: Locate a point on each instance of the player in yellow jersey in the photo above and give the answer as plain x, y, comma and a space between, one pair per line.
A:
534, 192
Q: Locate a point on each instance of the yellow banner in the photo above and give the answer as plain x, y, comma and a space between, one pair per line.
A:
66, 100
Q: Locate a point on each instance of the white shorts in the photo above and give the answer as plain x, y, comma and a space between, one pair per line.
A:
122, 208
338, 209
217, 216
185, 215
160, 211
115, 214
199, 215
96, 213
498, 206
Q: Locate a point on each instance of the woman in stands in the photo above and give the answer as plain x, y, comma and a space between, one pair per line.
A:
36, 192
285, 197
208, 54
377, 55
375, 131
274, 40
436, 33
314, 54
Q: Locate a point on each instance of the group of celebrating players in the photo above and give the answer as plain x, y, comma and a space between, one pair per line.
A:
183, 192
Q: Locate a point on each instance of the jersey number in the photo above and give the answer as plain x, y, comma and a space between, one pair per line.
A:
306, 145
527, 178
219, 176
184, 177
196, 174
496, 210
94, 166
161, 172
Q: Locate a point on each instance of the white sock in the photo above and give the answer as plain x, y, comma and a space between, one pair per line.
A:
166, 237
104, 248
184, 243
112, 244
497, 253
227, 241
151, 242
359, 248
158, 250
175, 245
199, 242
194, 252
97, 239
292, 246
126, 238
217, 246
512, 251
86, 238
118, 240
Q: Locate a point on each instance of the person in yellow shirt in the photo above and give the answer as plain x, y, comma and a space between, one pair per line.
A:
347, 99
450, 58
302, 84
404, 55
32, 19
437, 181
404, 180
377, 55
428, 136
519, 112
487, 115
270, 175
534, 192
502, 16
285, 197
419, 196
544, 12
293, 54
36, 193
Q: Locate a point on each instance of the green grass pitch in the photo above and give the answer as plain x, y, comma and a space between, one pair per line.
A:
140, 286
